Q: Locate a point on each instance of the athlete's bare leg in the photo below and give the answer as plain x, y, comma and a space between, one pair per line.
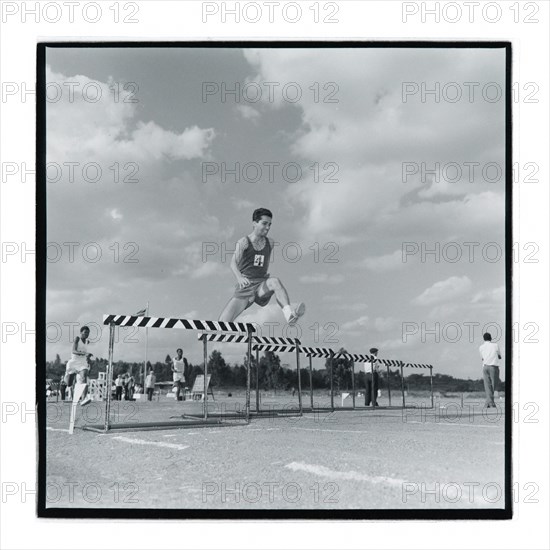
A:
233, 309
274, 285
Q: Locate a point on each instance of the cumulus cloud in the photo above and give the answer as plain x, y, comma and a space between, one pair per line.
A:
322, 278
248, 112
386, 262
369, 135
492, 296
444, 291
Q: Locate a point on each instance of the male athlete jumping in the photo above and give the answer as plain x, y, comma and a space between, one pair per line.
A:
249, 264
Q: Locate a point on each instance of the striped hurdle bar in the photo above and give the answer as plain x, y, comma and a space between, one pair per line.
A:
172, 322
265, 343
169, 323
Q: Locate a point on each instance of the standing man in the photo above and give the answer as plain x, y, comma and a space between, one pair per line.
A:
250, 264
371, 379
178, 372
490, 355
150, 385
118, 388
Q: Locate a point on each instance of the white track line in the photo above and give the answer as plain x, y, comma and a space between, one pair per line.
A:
322, 431
323, 471
153, 443
451, 424
57, 429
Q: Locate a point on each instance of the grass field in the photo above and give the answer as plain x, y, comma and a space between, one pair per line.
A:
449, 457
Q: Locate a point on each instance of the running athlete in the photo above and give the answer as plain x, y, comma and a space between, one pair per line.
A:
250, 264
178, 373
79, 363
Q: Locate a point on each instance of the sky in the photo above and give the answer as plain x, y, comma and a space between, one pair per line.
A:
331, 146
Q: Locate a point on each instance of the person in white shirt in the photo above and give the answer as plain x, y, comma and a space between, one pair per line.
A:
178, 372
150, 385
79, 364
490, 355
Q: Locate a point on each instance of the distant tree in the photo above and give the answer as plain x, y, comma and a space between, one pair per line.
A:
219, 370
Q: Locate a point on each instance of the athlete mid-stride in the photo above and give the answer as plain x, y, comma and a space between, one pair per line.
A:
250, 264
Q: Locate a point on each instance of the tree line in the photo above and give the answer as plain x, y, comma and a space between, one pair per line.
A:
273, 375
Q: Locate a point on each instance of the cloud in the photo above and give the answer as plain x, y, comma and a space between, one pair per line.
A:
444, 291
492, 296
116, 214
387, 262
360, 323
368, 136
383, 324
80, 130
248, 112
322, 278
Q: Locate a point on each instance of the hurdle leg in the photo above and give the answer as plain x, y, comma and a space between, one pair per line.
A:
257, 380
353, 383
389, 391
299, 377
248, 360
373, 393
109, 377
432, 387
331, 374
311, 383
402, 384
77, 394
205, 397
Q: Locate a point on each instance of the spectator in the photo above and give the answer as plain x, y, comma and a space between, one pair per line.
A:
125, 386
118, 388
63, 389
179, 364
150, 381
371, 379
131, 386
490, 355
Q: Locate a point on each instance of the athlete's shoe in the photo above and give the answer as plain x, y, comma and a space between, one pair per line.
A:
85, 401
297, 313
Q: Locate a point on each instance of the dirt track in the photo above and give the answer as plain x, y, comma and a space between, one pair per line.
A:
449, 457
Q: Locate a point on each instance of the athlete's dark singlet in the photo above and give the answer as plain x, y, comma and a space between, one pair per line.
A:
254, 264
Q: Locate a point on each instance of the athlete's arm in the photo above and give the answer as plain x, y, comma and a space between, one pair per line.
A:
240, 247
75, 347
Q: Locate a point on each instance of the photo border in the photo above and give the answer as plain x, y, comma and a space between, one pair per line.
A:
257, 514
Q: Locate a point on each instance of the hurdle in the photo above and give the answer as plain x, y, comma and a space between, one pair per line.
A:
417, 366
327, 354
355, 357
246, 330
281, 348
259, 343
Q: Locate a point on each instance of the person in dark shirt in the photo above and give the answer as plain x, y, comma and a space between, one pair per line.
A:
371, 380
250, 264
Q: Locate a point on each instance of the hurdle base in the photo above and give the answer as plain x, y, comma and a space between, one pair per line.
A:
144, 426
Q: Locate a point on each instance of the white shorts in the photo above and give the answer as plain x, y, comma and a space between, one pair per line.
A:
76, 365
